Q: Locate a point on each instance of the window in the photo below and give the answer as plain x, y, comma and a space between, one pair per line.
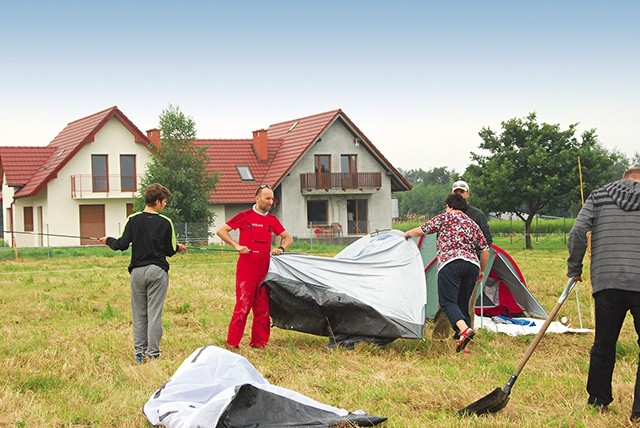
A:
317, 212
245, 173
28, 219
99, 177
357, 214
323, 163
323, 171
128, 173
348, 163
349, 168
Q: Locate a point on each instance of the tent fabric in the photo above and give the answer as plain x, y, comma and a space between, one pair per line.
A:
502, 271
214, 387
497, 300
375, 287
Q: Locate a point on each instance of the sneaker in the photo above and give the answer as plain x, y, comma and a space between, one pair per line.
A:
139, 358
152, 357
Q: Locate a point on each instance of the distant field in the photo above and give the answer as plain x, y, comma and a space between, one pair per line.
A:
66, 357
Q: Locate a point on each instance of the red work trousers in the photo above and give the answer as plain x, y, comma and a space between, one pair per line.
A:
251, 270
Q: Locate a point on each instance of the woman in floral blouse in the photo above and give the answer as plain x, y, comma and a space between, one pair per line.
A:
459, 239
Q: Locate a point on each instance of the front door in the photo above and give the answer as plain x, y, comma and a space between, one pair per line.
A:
357, 216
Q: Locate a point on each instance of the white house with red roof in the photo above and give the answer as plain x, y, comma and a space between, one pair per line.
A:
327, 177
66, 193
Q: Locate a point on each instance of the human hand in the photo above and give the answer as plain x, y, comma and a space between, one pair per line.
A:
243, 249
103, 240
182, 247
480, 277
577, 278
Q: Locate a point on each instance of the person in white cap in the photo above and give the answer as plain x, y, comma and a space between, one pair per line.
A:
476, 214
441, 327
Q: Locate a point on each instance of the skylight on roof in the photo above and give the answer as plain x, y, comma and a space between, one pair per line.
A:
53, 160
245, 173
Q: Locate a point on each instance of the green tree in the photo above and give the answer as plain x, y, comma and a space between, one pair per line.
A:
439, 175
430, 188
423, 199
181, 166
534, 165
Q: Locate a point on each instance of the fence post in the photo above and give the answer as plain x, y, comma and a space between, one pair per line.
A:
48, 246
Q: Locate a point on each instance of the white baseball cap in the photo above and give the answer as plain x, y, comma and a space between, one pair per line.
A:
460, 184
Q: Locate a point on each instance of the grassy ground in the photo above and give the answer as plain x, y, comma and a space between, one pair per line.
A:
66, 355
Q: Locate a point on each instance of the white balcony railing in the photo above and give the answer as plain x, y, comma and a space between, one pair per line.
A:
103, 186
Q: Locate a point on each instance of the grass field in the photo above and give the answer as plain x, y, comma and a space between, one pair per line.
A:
66, 355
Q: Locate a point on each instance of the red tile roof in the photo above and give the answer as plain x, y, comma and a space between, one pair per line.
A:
19, 163
69, 141
223, 156
288, 142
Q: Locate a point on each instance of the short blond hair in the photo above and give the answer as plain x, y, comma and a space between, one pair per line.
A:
632, 173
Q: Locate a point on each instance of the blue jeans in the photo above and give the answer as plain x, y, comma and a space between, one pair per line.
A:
611, 309
456, 281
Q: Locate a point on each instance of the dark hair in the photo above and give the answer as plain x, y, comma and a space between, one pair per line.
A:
457, 202
155, 192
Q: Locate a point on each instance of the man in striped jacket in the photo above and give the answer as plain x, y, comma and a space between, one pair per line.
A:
612, 214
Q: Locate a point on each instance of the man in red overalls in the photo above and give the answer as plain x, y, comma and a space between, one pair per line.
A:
256, 226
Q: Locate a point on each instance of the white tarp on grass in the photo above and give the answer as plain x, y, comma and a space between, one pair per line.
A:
517, 329
214, 387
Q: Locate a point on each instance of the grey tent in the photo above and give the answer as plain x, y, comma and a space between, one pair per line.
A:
374, 289
214, 387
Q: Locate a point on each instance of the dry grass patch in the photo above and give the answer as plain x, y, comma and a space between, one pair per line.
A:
66, 356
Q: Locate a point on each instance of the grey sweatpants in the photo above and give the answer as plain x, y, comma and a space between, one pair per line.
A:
149, 286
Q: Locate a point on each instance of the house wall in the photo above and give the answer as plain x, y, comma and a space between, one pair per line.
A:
61, 212
222, 214
7, 198
336, 140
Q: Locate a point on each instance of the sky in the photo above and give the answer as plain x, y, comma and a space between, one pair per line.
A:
420, 79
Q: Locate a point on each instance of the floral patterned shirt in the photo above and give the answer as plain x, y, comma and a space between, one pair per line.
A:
458, 237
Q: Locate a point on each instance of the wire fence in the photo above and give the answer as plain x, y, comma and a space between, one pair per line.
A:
197, 236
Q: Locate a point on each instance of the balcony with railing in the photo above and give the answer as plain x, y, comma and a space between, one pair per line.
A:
341, 181
88, 186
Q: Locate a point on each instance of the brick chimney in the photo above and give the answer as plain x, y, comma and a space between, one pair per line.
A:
260, 145
154, 136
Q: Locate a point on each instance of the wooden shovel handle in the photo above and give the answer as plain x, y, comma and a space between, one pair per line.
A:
543, 329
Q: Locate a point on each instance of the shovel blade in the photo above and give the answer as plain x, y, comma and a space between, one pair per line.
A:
493, 402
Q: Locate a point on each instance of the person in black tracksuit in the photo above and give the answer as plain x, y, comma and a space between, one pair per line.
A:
152, 239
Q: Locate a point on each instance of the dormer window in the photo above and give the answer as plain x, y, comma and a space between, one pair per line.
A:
245, 173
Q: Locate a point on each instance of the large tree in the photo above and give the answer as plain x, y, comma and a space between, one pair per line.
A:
181, 166
531, 165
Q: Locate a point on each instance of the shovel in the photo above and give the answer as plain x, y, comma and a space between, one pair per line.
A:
498, 398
